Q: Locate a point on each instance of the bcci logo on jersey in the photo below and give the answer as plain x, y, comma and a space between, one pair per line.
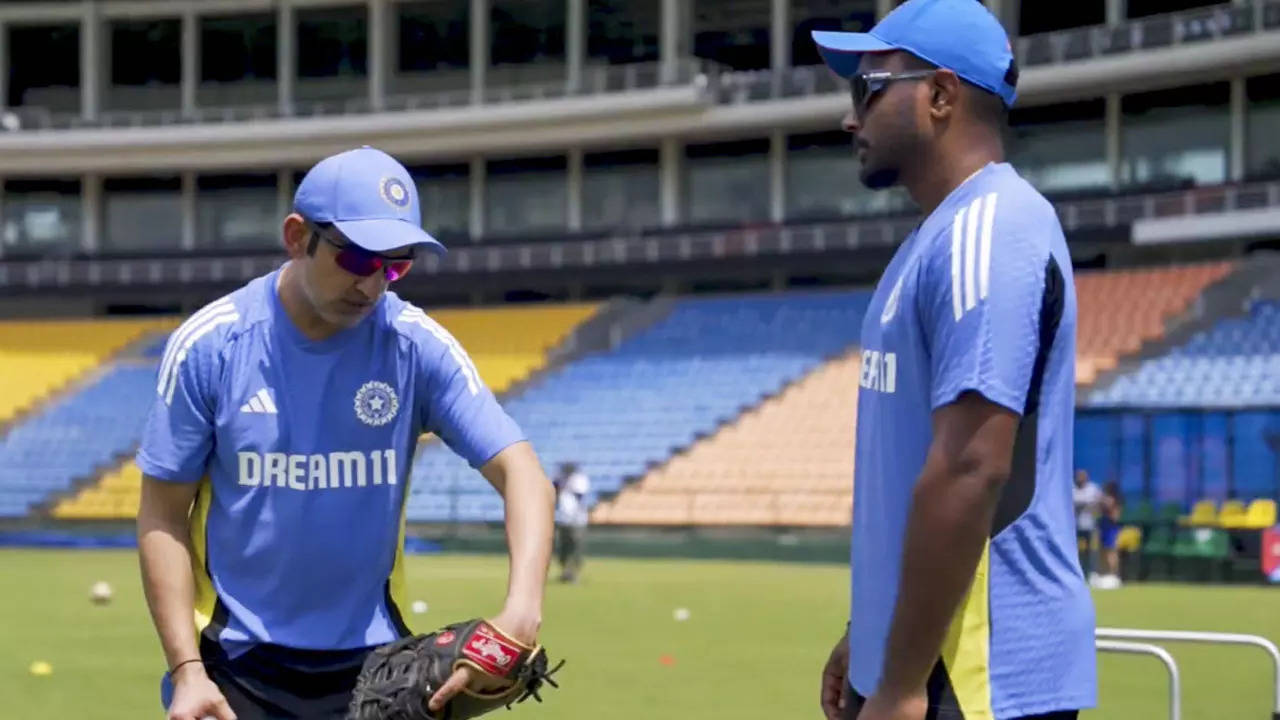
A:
376, 403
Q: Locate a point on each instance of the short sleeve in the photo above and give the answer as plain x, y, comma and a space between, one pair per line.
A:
456, 405
178, 437
982, 293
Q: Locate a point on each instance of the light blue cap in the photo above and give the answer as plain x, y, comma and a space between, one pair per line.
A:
369, 196
959, 35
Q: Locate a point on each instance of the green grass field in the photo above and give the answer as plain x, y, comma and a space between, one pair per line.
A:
752, 648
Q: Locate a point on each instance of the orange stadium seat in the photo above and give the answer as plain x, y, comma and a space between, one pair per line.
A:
787, 462
1149, 298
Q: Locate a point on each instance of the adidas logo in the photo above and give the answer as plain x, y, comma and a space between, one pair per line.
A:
261, 402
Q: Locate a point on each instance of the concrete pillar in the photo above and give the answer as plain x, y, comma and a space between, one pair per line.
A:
188, 209
777, 176
380, 37
670, 169
284, 193
91, 212
1114, 149
779, 42
477, 177
479, 49
286, 56
883, 7
573, 213
1007, 12
190, 59
669, 45
1239, 130
1117, 11
92, 62
4, 70
575, 43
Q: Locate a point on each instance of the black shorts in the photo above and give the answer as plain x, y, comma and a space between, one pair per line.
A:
272, 681
942, 702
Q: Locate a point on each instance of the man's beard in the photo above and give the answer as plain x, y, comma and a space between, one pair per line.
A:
880, 178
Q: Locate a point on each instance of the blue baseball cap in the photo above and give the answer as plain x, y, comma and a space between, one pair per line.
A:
367, 195
959, 35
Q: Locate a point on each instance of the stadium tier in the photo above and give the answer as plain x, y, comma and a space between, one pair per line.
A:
620, 412
38, 358
74, 437
1236, 363
506, 344
1147, 298
787, 462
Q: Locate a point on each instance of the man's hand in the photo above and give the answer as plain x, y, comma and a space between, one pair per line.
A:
195, 697
885, 707
516, 621
835, 686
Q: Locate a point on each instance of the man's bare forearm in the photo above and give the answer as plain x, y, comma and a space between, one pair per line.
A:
530, 507
164, 554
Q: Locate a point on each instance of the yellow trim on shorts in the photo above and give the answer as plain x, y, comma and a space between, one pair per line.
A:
398, 592
966, 651
206, 598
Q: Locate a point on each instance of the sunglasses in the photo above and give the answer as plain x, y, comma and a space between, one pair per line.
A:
865, 86
363, 263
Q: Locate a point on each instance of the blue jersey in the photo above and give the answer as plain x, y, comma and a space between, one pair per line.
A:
979, 298
302, 451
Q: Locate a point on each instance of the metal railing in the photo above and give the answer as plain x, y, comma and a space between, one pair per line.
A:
633, 249
1110, 636
596, 81
1158, 31
1171, 666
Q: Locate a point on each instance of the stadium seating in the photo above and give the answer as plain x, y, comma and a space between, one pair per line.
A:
73, 437
617, 413
508, 344
1236, 363
38, 358
787, 462
1149, 297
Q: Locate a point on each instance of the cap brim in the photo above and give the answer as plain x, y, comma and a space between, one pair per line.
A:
842, 51
385, 234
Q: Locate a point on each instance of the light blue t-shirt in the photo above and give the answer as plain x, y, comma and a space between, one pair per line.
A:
979, 298
302, 449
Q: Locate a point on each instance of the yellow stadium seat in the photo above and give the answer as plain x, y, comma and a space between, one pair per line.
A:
1129, 539
1232, 515
1204, 512
1260, 515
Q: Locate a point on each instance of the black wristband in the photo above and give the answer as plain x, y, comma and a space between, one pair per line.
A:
174, 669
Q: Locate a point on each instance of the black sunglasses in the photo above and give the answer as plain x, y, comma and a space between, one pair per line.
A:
865, 86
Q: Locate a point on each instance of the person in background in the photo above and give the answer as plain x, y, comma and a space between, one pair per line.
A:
1108, 530
572, 516
1087, 497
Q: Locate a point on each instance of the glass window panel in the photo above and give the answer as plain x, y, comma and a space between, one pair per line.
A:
1176, 137
237, 212
620, 191
526, 196
41, 217
444, 194
52, 83
1263, 144
526, 31
807, 16
142, 215
727, 182
333, 42
734, 33
623, 31
1061, 147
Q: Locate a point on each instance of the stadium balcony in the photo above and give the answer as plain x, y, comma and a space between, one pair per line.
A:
1245, 210
618, 104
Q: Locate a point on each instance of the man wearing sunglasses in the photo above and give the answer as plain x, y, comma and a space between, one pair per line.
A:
276, 462
967, 596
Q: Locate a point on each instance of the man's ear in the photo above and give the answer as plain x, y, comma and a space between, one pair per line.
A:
944, 94
296, 236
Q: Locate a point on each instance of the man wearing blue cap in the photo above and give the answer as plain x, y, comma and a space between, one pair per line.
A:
967, 596
276, 462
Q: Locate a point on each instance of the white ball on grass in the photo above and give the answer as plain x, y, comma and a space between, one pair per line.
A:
681, 614
100, 593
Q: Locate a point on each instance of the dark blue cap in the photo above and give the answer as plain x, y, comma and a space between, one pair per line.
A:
367, 195
959, 35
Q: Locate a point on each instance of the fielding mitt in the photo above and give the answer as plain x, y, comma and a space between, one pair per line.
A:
398, 679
